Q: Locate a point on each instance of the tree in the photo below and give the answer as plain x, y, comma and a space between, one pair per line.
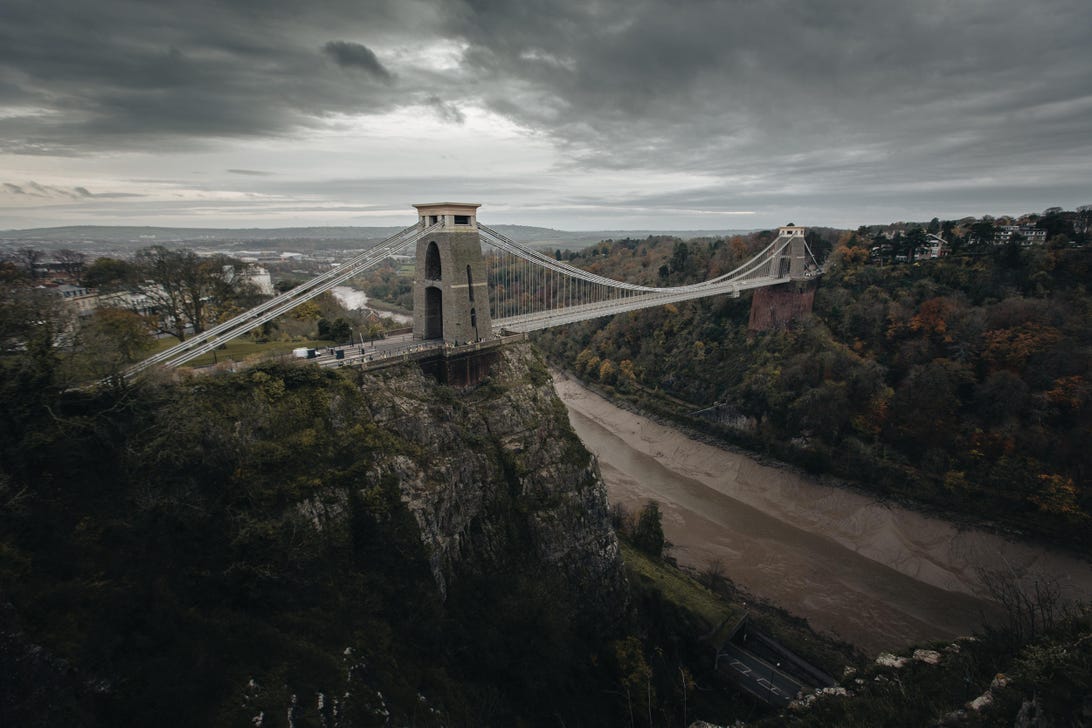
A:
15, 300
109, 341
29, 258
1030, 604
915, 238
607, 372
634, 673
185, 288
982, 233
32, 319
926, 405
1055, 223
111, 274
72, 261
167, 274
337, 330
626, 373
648, 534
680, 256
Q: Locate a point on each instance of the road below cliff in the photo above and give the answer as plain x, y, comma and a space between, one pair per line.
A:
874, 574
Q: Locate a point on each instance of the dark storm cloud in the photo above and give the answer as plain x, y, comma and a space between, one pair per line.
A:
357, 55
417, 188
930, 90
120, 73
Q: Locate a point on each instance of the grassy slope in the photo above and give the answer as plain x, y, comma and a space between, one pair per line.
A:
241, 349
681, 589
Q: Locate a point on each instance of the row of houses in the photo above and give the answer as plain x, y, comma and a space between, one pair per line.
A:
83, 301
934, 246
1027, 234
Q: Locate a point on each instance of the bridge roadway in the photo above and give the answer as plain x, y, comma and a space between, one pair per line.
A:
390, 349
400, 348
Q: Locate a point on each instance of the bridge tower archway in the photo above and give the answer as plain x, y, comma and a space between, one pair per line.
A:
434, 313
433, 266
450, 293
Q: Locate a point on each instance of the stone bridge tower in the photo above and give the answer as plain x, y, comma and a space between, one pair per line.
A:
792, 262
775, 307
450, 289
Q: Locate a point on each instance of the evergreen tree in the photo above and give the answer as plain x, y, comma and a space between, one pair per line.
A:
648, 534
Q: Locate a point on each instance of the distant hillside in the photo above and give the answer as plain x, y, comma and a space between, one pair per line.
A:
153, 235
275, 237
546, 238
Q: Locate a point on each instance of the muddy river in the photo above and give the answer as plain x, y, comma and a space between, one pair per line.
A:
877, 575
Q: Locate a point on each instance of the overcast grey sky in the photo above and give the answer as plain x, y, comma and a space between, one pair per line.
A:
576, 114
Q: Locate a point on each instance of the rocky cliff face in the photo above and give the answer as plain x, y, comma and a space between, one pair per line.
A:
776, 307
341, 548
500, 472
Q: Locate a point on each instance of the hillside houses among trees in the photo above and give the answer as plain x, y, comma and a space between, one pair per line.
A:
176, 291
910, 242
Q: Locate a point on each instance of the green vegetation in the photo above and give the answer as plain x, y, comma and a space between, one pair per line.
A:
963, 384
389, 282
679, 588
177, 542
244, 348
163, 295
648, 531
175, 289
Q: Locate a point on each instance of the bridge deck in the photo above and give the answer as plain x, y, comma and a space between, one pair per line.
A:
402, 349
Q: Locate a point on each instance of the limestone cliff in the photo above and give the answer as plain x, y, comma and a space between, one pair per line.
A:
500, 471
340, 548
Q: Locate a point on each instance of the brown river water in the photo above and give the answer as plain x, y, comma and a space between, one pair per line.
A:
877, 575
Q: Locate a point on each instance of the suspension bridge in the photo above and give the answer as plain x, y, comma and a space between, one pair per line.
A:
473, 284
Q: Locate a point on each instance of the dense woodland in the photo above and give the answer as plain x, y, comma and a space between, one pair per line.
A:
961, 383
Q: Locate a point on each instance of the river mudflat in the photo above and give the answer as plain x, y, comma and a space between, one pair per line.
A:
877, 575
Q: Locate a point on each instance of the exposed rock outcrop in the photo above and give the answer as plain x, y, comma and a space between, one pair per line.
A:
499, 472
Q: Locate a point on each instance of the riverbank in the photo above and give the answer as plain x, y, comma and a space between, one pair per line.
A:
877, 575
